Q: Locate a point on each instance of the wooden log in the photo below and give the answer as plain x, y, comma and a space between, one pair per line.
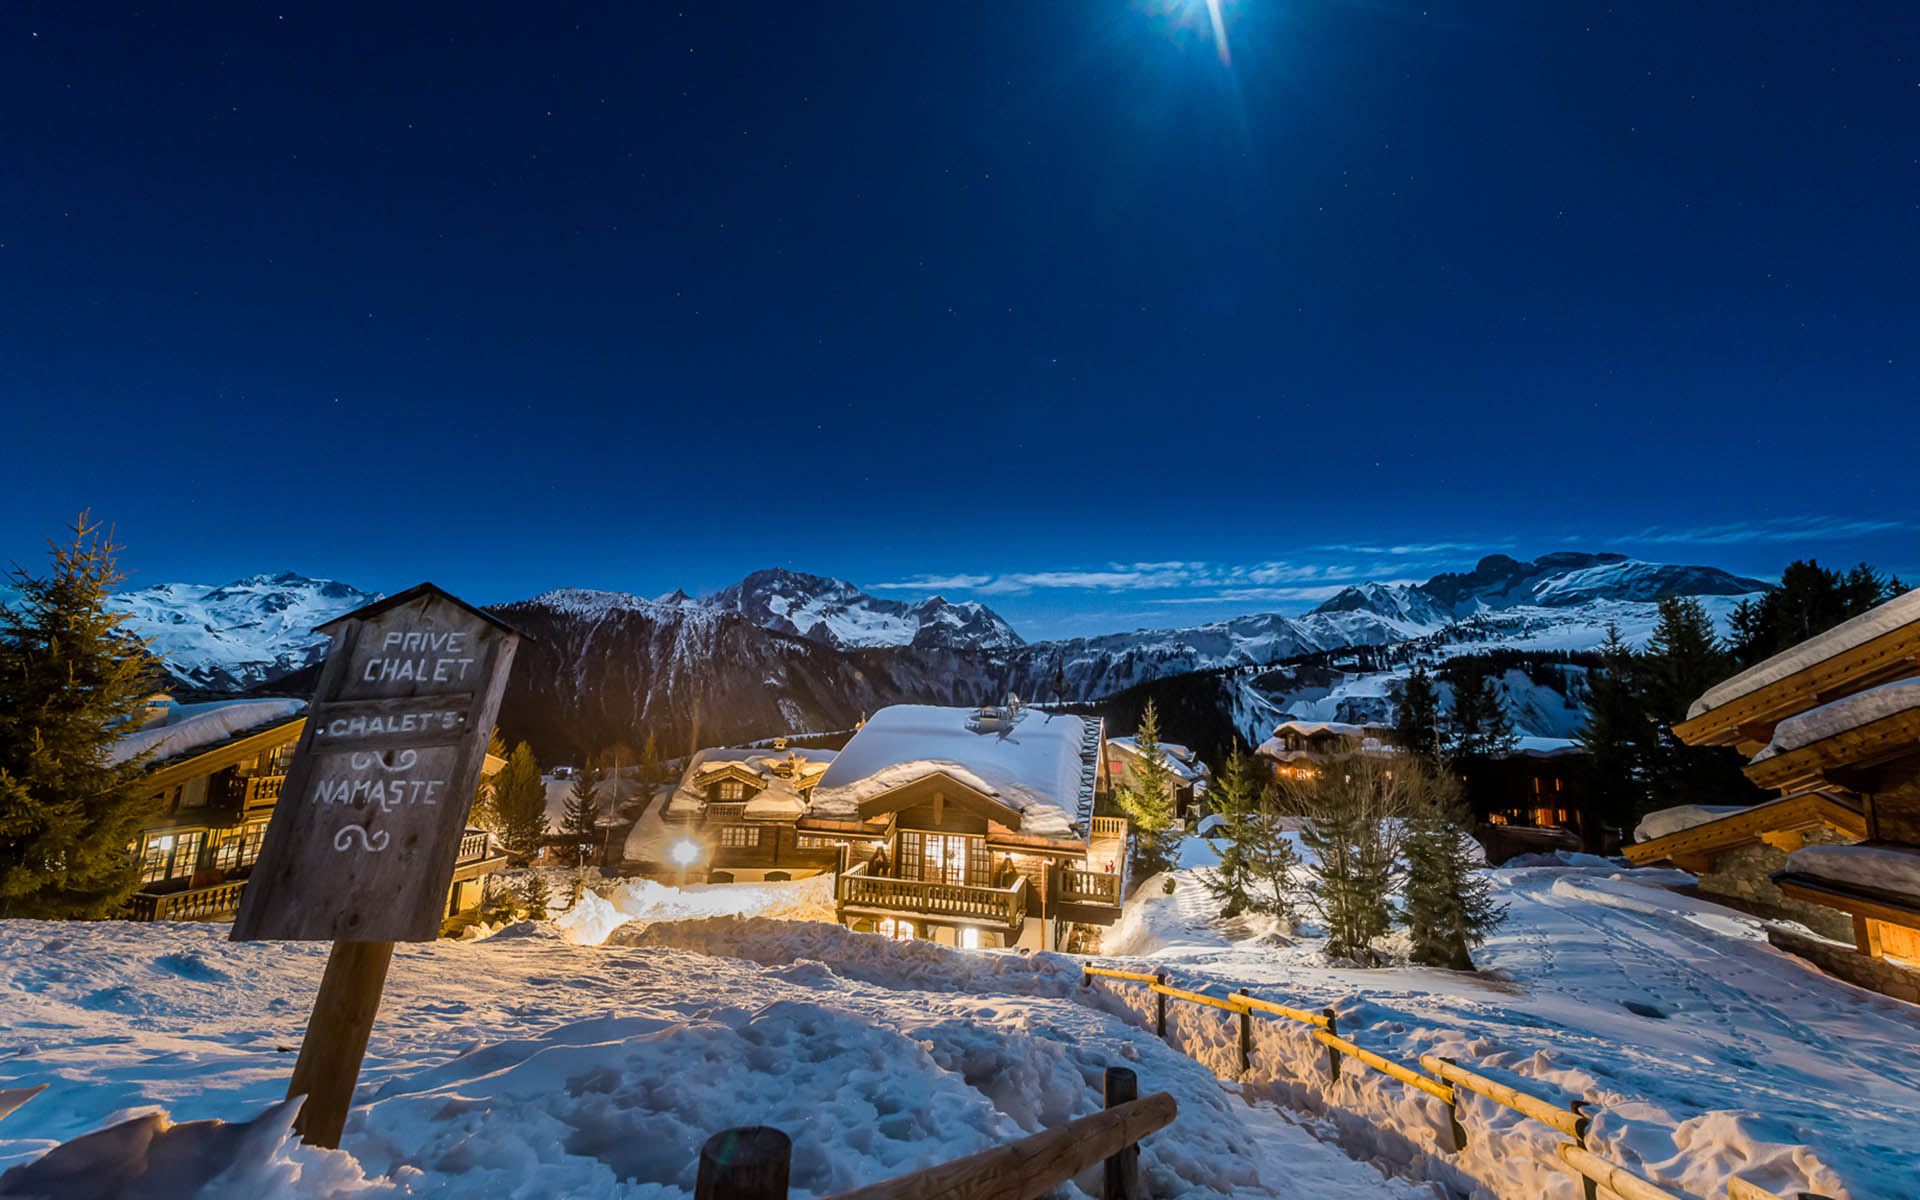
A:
1318, 1019
336, 1039
1197, 998
1386, 1066
1617, 1179
1136, 976
1333, 1054
747, 1163
1032, 1166
1246, 1042
1122, 1174
1159, 1005
1569, 1121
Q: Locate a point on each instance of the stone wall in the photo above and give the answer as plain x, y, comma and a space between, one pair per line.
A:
1875, 974
1743, 874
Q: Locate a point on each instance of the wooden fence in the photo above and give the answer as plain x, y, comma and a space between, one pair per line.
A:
751, 1163
1443, 1078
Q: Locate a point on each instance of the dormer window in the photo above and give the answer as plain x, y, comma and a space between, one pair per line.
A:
732, 789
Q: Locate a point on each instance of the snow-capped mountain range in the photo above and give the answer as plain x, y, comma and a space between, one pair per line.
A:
784, 651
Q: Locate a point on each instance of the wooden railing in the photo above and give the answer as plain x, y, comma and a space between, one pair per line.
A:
1445, 1080
1004, 906
1089, 887
1104, 828
262, 790
752, 1163
194, 904
472, 847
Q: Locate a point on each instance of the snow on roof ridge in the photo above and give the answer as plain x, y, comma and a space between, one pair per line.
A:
1839, 716
1857, 631
191, 726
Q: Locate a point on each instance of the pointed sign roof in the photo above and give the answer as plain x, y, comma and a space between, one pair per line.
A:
368, 611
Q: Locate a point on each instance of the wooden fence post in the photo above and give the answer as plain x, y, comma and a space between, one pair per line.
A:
1246, 1042
748, 1163
1333, 1056
1160, 1006
336, 1039
1123, 1169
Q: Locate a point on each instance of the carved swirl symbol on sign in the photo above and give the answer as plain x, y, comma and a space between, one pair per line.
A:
390, 762
343, 839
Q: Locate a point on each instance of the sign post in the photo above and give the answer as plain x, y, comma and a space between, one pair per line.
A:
364, 838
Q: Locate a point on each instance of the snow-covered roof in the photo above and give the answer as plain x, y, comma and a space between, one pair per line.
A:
1033, 766
1327, 728
1668, 821
775, 802
1881, 868
189, 727
1180, 760
691, 795
1901, 610
1848, 712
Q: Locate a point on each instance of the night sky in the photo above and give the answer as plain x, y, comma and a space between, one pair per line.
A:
1059, 304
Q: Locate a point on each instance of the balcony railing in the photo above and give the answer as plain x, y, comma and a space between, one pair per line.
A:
1109, 827
262, 791
1006, 907
472, 847
194, 904
1089, 887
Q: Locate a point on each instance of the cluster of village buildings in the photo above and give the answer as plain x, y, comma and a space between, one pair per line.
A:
994, 826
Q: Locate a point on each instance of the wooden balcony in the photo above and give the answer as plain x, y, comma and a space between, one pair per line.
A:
193, 904
1109, 828
1003, 909
1089, 887
262, 791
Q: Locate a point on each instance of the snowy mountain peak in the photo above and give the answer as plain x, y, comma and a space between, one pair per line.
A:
836, 613
240, 634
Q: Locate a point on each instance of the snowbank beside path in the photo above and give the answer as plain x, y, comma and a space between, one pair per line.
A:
1705, 1051
643, 901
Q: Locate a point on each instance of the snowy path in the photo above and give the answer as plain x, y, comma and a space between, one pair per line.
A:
1761, 1064
528, 1066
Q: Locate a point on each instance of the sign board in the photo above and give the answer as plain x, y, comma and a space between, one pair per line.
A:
364, 837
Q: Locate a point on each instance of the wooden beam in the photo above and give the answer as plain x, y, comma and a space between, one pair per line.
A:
1885, 658
336, 1039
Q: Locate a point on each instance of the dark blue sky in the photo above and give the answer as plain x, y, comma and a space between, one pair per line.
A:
1008, 297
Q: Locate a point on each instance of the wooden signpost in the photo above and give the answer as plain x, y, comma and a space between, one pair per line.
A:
364, 837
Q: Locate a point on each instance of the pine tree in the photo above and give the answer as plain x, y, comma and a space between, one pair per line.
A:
1235, 800
70, 680
1617, 736
1810, 600
578, 821
537, 898
1416, 723
1147, 799
483, 813
1684, 658
1449, 900
1354, 808
1478, 727
520, 796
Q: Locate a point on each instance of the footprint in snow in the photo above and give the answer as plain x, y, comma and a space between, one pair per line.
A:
1643, 1010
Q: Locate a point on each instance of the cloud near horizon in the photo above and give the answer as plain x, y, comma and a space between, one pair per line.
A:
1278, 580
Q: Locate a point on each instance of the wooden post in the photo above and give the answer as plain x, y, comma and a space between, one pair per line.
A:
748, 1163
1160, 1006
1246, 1042
1123, 1169
1333, 1056
336, 1039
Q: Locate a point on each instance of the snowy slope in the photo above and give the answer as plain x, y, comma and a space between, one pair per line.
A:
239, 634
837, 613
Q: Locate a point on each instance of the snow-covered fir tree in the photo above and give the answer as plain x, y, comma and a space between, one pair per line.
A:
1449, 905
71, 681
1257, 861
1354, 807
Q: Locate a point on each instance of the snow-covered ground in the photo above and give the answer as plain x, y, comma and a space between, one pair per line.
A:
532, 1063
1734, 1058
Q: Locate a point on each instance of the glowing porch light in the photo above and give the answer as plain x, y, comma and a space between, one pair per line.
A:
684, 853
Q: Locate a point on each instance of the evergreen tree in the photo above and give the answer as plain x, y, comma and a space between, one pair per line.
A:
579, 819
483, 813
1478, 727
1416, 722
1684, 658
1449, 900
520, 796
1617, 736
1235, 799
1353, 808
1810, 600
71, 679
537, 898
1147, 800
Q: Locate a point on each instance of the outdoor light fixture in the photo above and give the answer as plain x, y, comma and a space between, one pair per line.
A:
684, 852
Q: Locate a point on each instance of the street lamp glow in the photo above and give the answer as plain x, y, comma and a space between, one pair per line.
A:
684, 852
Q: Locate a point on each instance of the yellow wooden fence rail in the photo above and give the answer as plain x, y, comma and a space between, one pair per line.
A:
1444, 1081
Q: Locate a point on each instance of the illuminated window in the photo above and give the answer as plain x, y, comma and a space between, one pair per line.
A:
739, 835
813, 841
732, 789
153, 861
969, 938
898, 930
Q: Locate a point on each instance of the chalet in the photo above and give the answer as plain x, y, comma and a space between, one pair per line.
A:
1534, 799
214, 771
1833, 726
1186, 774
1297, 748
970, 827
